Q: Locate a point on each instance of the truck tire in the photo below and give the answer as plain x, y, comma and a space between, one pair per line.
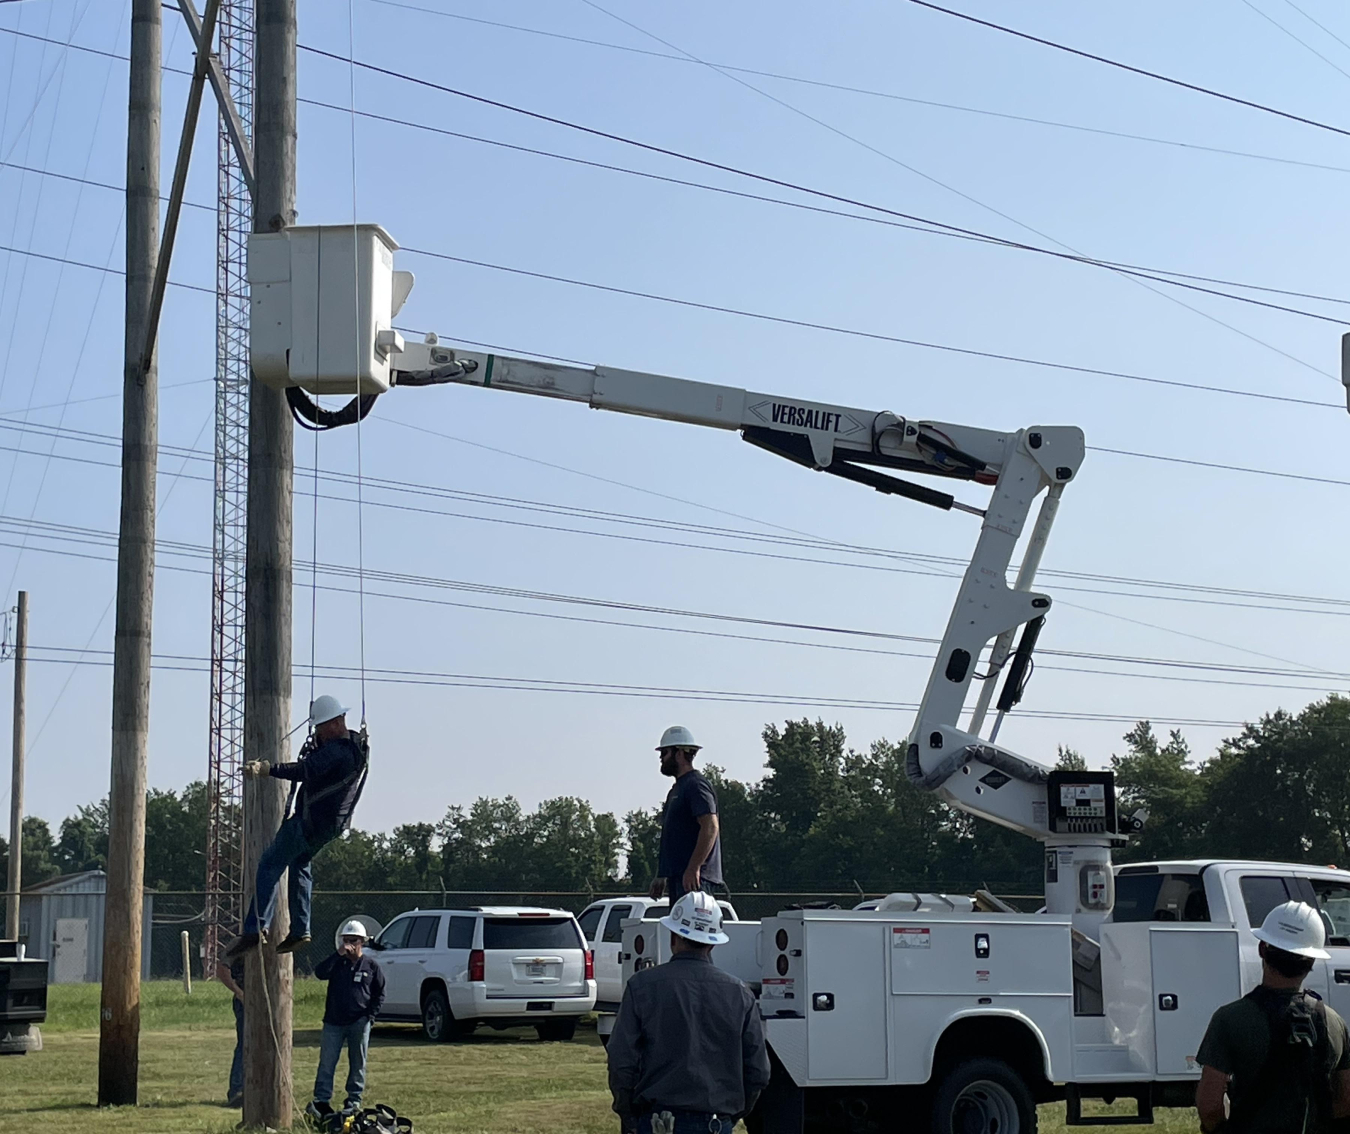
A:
560, 1030
983, 1096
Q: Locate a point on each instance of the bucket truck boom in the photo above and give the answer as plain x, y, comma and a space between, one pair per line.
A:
295, 302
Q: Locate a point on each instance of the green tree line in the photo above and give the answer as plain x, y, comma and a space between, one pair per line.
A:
822, 816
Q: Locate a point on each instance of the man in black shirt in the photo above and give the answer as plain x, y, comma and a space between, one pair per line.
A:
691, 847
330, 773
1279, 1056
231, 975
355, 995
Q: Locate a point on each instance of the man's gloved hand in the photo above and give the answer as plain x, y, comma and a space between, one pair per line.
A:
258, 768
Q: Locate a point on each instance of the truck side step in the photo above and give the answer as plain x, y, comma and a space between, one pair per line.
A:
1073, 1101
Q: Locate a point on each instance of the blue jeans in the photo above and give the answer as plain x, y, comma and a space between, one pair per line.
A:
237, 1066
288, 851
690, 1124
356, 1038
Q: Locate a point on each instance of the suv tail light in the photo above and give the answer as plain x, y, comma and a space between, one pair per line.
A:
476, 964
590, 964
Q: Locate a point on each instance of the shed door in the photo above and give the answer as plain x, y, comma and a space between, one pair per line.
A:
72, 950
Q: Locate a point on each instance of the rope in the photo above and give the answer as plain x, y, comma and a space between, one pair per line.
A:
356, 343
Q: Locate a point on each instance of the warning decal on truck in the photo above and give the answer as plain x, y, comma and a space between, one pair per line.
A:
903, 937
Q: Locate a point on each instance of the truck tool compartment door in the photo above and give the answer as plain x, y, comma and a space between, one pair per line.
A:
534, 957
846, 1006
1195, 971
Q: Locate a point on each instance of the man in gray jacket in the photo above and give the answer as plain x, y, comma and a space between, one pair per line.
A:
687, 1055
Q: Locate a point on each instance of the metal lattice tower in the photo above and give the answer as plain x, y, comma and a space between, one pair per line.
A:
234, 220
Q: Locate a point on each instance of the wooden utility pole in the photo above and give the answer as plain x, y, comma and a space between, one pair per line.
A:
268, 1094
15, 881
120, 1018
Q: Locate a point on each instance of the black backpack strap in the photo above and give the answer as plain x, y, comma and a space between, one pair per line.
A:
1290, 1060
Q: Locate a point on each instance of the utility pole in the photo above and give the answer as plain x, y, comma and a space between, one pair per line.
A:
268, 1094
15, 881
120, 1017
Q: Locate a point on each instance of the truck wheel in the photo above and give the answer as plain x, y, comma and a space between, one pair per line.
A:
558, 1030
983, 1096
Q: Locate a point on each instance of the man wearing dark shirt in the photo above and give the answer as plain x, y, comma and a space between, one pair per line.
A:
691, 847
231, 975
687, 1054
1279, 1056
355, 995
330, 774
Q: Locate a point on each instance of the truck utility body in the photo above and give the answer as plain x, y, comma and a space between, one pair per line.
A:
984, 1014
862, 1008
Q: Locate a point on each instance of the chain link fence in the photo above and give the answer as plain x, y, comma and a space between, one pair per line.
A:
178, 911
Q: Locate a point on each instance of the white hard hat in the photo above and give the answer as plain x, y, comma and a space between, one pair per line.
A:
325, 708
354, 928
1294, 927
677, 736
698, 917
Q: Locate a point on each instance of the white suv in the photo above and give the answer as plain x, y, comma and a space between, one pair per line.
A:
504, 966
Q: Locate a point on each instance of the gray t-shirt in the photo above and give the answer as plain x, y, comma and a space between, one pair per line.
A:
691, 797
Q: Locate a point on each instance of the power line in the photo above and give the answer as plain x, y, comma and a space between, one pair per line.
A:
1301, 42
991, 355
190, 664
779, 182
1323, 26
1188, 592
917, 223
875, 336
872, 93
67, 534
1133, 70
96, 267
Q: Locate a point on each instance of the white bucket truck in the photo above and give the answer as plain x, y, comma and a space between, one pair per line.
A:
973, 1016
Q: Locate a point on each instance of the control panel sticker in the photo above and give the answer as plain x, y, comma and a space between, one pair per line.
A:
905, 937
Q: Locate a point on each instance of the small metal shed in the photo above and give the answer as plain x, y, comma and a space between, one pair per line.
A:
61, 920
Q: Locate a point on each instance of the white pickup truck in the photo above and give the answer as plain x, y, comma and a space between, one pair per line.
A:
976, 1017
602, 923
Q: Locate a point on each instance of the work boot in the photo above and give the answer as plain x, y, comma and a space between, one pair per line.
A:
241, 945
320, 1113
292, 943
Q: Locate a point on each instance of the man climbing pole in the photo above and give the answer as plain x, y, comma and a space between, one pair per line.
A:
691, 845
330, 774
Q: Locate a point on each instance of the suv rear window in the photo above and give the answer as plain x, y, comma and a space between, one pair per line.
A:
532, 933
1160, 897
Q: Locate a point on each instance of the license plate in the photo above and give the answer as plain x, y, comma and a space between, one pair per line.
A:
535, 970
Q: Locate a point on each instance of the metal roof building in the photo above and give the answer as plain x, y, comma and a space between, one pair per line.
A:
62, 920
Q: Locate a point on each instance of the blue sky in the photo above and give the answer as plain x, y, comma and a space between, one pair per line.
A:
1274, 223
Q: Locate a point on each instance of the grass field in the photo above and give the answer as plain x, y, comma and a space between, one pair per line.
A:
496, 1083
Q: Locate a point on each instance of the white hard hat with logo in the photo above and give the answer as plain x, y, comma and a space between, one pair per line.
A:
698, 917
1294, 927
325, 708
354, 928
358, 925
677, 736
